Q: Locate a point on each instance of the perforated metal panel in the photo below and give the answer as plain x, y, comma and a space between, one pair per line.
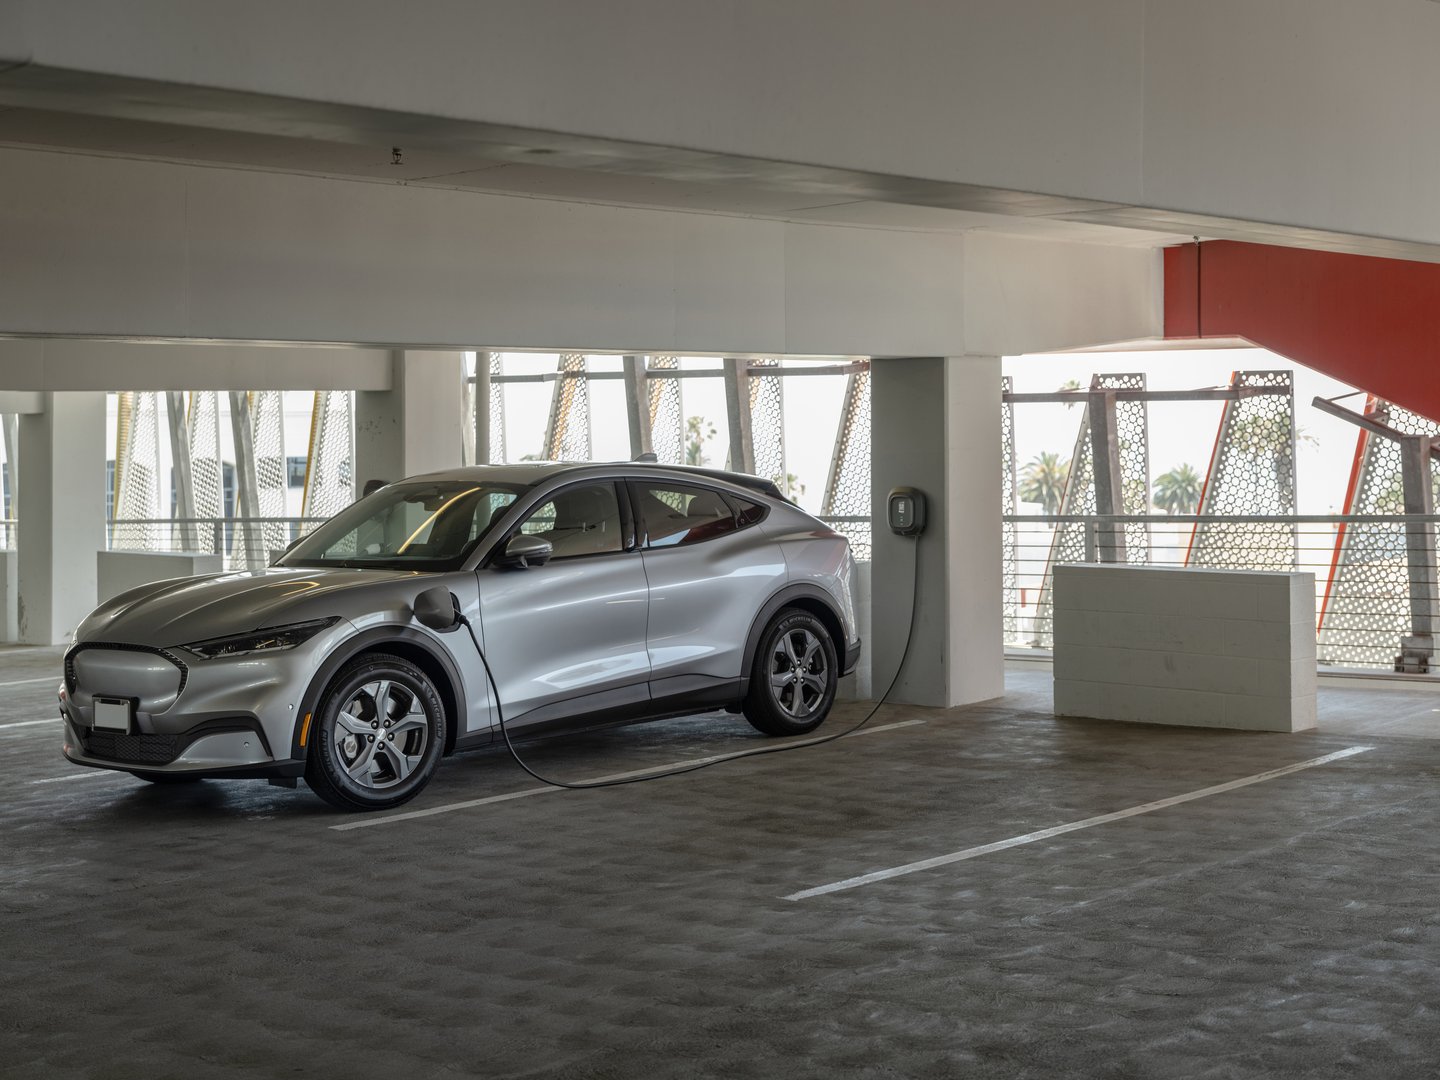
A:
567, 438
1251, 472
137, 472
468, 405
1366, 609
667, 422
9, 441
1070, 542
330, 470
1011, 591
497, 412
847, 490
206, 471
767, 422
267, 417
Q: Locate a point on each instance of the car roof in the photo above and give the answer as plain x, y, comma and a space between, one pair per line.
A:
531, 473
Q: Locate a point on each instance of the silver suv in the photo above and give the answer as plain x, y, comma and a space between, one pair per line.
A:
597, 593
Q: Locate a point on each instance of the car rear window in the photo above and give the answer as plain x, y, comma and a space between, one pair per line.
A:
678, 514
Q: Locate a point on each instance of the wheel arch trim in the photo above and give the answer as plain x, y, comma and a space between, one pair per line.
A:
374, 640
806, 597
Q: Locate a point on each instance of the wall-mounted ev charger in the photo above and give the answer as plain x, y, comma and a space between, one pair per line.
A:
905, 511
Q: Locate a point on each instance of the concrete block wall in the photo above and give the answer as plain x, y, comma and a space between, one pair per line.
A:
9, 598
1197, 648
121, 571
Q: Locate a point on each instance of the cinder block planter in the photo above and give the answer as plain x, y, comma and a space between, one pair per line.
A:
1198, 648
120, 571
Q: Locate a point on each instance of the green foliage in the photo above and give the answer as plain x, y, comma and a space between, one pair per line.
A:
1178, 491
1042, 481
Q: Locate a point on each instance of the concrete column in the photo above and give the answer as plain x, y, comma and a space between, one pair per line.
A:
936, 427
61, 514
415, 426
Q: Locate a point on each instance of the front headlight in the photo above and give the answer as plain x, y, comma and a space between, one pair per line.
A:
274, 639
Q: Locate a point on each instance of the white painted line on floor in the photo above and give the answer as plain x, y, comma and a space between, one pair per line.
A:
25, 682
431, 811
1060, 830
88, 774
31, 723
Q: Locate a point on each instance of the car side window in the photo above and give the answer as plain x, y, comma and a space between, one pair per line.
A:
677, 514
580, 520
748, 513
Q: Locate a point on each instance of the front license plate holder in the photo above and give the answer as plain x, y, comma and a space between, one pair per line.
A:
112, 714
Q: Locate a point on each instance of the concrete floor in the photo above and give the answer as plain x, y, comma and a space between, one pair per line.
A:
1286, 928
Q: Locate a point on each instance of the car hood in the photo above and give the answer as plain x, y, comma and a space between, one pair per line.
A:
184, 610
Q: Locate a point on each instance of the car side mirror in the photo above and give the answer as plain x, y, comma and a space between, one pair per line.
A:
523, 551
437, 609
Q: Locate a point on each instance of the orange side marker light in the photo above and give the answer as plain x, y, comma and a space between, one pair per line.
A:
305, 729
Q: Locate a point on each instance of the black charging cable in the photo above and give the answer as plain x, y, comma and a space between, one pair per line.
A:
705, 764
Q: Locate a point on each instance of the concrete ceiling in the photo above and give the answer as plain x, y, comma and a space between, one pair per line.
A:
533, 176
85, 112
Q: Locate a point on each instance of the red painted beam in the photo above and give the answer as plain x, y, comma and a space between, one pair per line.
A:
1372, 323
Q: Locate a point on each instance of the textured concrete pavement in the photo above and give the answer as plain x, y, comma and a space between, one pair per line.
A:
1288, 928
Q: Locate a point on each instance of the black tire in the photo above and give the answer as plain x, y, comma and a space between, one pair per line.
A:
355, 761
167, 777
793, 675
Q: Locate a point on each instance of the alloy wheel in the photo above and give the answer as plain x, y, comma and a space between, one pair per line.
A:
798, 673
381, 734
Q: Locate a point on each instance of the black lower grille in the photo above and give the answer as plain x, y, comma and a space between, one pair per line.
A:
134, 749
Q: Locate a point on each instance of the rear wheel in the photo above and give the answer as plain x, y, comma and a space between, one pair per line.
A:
379, 736
793, 677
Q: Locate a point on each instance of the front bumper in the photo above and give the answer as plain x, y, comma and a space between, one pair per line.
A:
235, 717
236, 749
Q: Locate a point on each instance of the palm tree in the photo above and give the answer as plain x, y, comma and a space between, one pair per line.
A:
1067, 386
1043, 481
1178, 491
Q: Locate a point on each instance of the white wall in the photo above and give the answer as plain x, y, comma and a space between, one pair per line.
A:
1312, 113
112, 247
73, 364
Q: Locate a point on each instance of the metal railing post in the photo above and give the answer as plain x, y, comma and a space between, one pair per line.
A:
1417, 650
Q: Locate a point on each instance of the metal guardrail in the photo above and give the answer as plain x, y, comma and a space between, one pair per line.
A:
245, 542
1375, 586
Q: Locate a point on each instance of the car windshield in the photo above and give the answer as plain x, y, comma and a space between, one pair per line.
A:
411, 525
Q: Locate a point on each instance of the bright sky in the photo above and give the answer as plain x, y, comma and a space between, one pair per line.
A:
1185, 432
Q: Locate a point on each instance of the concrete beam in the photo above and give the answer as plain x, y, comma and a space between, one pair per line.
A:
38, 365
21, 401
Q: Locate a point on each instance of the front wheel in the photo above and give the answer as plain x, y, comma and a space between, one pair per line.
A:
379, 736
793, 677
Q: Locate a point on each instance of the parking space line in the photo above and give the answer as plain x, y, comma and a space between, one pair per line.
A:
25, 682
1074, 826
431, 811
30, 723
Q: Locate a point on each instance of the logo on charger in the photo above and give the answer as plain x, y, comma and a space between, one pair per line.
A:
905, 511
